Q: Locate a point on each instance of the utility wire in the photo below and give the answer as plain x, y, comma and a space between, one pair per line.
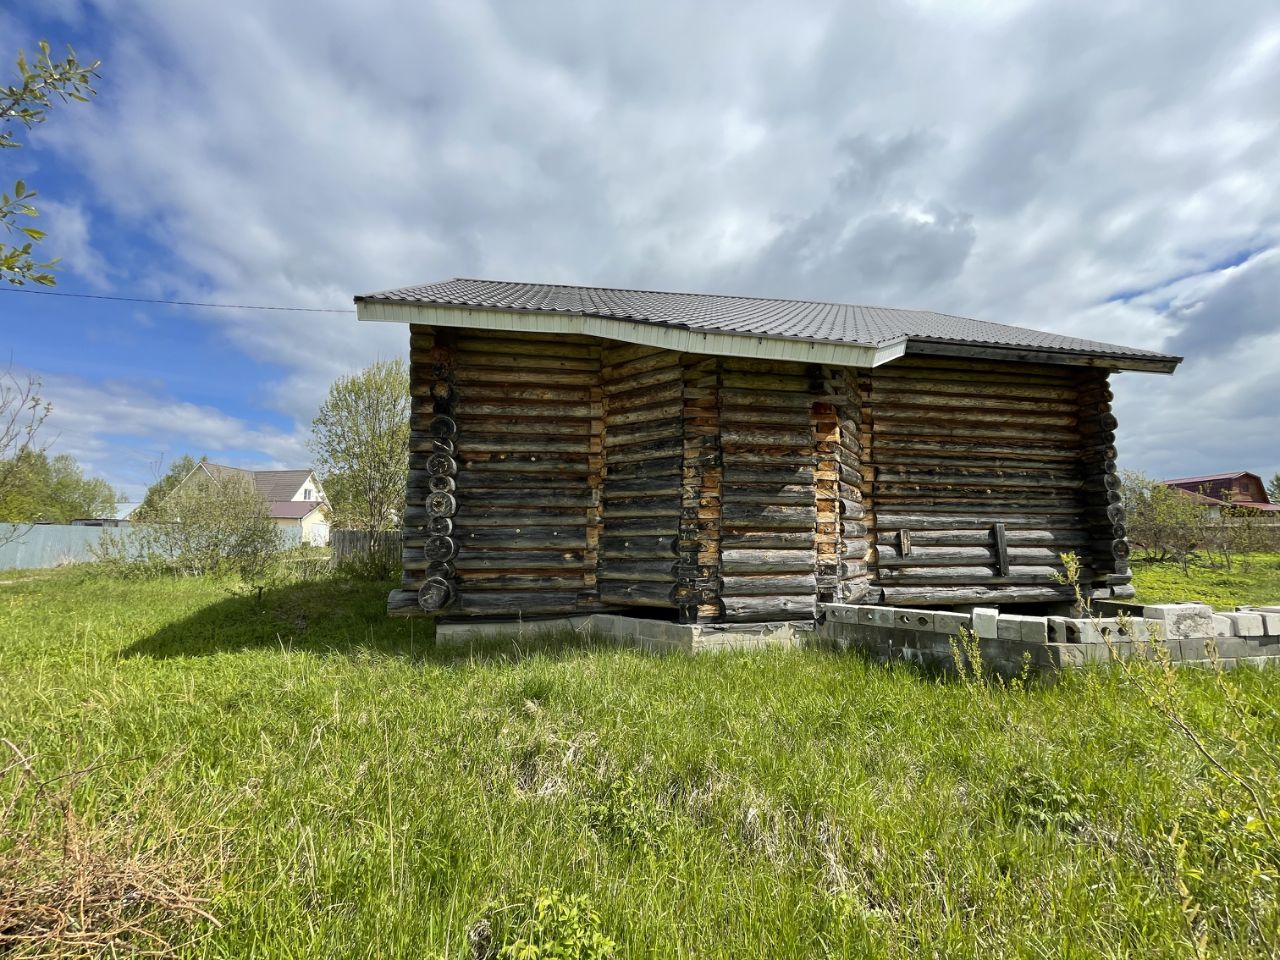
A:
170, 303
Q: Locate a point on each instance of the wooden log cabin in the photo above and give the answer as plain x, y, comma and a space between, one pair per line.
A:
716, 459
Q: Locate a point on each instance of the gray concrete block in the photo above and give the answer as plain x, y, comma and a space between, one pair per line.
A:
983, 621
1035, 630
1245, 624
949, 623
1181, 620
1222, 627
881, 616
913, 619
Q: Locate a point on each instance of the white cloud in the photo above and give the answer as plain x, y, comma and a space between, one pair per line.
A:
1021, 162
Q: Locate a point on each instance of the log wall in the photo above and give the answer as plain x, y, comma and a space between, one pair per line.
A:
769, 507
554, 475
643, 391
978, 475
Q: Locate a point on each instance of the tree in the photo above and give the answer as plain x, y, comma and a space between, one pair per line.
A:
361, 441
178, 471
1273, 489
1166, 524
208, 526
53, 490
27, 103
22, 411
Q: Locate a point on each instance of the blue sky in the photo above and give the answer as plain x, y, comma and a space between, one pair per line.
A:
1106, 170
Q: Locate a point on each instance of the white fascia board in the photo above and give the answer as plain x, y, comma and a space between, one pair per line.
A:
711, 343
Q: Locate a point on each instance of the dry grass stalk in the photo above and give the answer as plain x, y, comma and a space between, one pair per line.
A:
73, 888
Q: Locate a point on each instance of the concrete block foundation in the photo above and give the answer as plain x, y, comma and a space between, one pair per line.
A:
1188, 634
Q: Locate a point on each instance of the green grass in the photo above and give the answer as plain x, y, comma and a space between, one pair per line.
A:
1256, 581
352, 792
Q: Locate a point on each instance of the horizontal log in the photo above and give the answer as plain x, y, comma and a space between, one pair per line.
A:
768, 609
910, 595
945, 520
641, 507
481, 581
523, 366
529, 461
798, 420
516, 443
966, 574
464, 376
769, 585
888, 555
643, 382
1058, 537
637, 547
742, 496
887, 449
768, 517
515, 518
760, 561
888, 396
656, 571
638, 594
789, 383
643, 433
739, 473
662, 485
528, 344
515, 603
471, 539
731, 436
572, 481
485, 392
767, 539
945, 429
668, 410
613, 354
651, 396
576, 498
775, 399
888, 415
472, 558
642, 468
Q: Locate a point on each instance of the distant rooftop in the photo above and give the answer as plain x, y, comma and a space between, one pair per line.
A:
921, 331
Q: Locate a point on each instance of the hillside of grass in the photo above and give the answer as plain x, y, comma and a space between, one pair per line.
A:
321, 782
1254, 579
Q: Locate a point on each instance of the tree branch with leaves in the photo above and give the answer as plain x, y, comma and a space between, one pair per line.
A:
42, 83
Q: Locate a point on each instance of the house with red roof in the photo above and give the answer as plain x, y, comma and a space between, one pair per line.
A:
1238, 489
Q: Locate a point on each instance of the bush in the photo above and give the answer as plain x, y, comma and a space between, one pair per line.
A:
207, 527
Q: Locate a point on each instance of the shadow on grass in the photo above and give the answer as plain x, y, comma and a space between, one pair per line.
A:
335, 617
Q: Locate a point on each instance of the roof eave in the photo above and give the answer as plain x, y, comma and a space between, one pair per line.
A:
642, 332
992, 351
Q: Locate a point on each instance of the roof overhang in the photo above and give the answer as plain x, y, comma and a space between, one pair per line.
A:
724, 344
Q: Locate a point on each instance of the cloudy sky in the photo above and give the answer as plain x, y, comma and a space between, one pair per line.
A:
1110, 170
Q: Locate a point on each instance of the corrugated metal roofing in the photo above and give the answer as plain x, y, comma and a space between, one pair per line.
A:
787, 319
291, 509
279, 484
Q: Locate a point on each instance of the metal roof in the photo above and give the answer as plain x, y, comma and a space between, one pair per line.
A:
921, 331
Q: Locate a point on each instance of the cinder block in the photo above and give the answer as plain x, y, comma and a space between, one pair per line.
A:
1270, 623
983, 621
1245, 624
1182, 620
1068, 654
913, 619
1035, 630
951, 624
880, 616
1009, 626
1221, 626
1230, 647
841, 612
1063, 630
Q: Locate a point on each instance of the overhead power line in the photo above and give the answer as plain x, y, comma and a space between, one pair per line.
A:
169, 303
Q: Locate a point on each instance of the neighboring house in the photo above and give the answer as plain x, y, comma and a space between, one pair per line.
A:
295, 499
1217, 490
717, 459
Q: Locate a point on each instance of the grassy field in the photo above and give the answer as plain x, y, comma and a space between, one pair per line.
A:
1257, 581
338, 788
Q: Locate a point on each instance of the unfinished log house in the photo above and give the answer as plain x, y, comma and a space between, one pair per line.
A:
712, 459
